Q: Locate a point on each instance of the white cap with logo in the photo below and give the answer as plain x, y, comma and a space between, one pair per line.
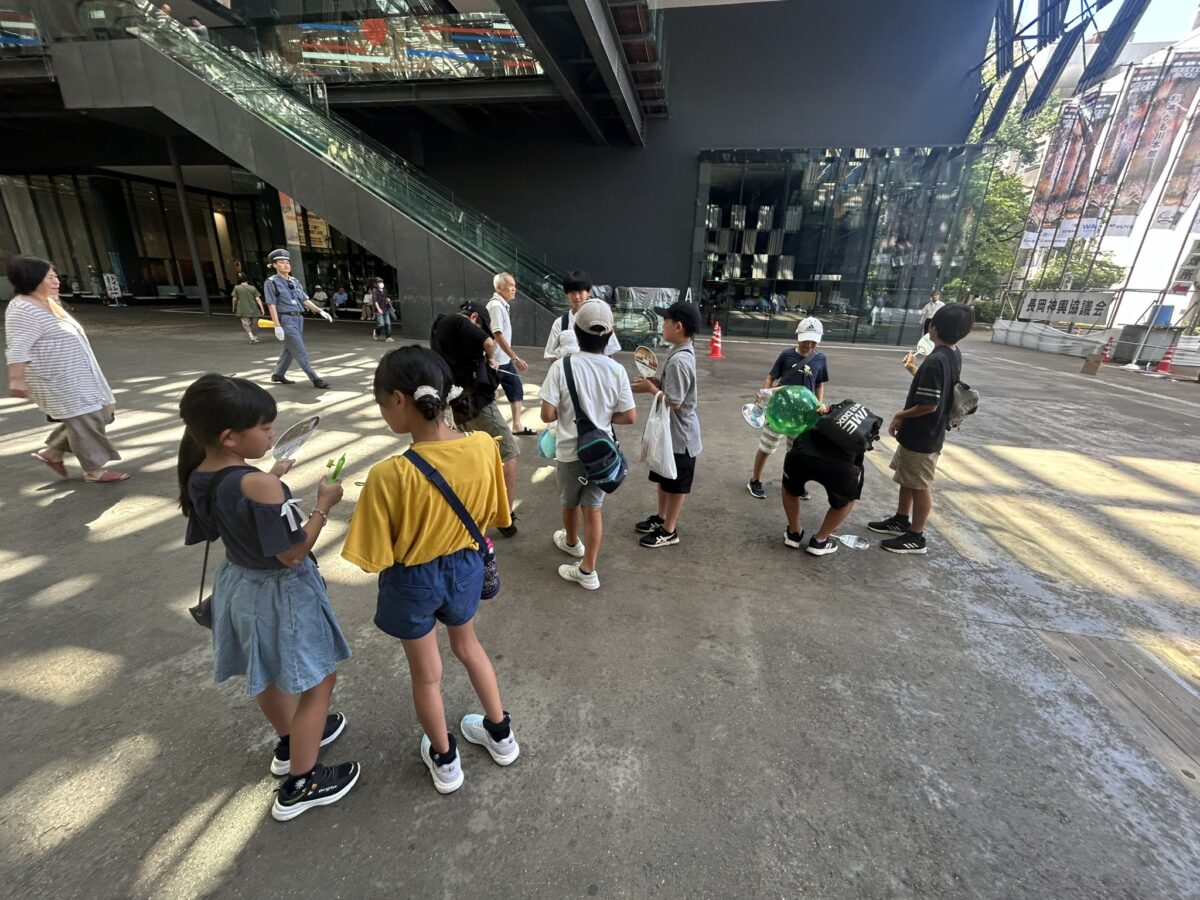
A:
810, 329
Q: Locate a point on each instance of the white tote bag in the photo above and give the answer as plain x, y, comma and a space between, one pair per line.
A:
656, 439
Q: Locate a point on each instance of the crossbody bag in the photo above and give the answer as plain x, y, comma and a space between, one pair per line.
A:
491, 571
202, 611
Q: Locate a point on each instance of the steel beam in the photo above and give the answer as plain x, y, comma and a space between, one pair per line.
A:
467, 92
596, 24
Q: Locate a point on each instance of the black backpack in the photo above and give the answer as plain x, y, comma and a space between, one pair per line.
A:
850, 426
598, 451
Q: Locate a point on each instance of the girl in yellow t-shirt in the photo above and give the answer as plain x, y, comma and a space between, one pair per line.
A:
430, 568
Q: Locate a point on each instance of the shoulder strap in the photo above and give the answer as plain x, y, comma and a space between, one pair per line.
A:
212, 513
581, 418
565, 318
448, 492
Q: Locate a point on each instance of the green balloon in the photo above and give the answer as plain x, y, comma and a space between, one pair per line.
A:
793, 410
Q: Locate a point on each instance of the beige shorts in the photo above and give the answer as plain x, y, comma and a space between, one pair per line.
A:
491, 421
914, 470
768, 440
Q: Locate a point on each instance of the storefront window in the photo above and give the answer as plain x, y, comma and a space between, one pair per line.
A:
855, 236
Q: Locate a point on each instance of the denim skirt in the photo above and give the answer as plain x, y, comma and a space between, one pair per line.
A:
275, 626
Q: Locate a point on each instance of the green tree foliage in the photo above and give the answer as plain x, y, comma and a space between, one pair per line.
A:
1002, 213
1081, 273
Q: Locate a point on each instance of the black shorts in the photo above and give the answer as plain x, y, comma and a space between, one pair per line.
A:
841, 478
685, 469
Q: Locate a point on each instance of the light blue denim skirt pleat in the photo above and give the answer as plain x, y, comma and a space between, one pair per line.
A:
274, 626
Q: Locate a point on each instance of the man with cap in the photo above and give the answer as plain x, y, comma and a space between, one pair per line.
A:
286, 302
678, 386
805, 366
467, 344
605, 397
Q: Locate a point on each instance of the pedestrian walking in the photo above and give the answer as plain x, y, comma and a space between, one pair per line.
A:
51, 362
286, 302
678, 386
381, 305
247, 306
929, 309
509, 365
920, 430
605, 398
272, 623
419, 523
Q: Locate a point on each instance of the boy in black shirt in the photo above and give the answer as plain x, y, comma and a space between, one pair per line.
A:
920, 430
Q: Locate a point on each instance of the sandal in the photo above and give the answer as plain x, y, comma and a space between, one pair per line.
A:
55, 464
106, 477
525, 432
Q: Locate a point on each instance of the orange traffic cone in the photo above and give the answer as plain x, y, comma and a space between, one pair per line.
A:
714, 345
1164, 364
1106, 352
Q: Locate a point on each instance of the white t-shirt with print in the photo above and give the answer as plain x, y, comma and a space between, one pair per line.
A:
603, 388
497, 310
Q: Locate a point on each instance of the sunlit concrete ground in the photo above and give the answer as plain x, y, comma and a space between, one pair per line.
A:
723, 718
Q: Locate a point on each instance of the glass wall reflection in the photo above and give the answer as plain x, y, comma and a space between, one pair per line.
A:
858, 237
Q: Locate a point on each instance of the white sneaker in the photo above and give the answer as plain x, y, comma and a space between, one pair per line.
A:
504, 752
560, 541
589, 582
448, 778
390, 341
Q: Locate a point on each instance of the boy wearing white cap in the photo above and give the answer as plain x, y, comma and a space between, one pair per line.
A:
806, 366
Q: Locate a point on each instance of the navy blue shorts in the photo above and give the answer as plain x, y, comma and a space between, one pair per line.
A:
446, 589
511, 381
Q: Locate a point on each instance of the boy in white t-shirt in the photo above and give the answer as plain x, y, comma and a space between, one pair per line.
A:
578, 288
606, 398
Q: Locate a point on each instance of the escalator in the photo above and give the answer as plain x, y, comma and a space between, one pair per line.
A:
132, 56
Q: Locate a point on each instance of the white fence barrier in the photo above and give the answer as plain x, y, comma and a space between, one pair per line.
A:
1039, 336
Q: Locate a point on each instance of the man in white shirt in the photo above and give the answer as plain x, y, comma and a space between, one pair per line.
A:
578, 287
935, 303
606, 399
509, 364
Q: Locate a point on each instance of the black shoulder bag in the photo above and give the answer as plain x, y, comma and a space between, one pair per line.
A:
598, 451
202, 611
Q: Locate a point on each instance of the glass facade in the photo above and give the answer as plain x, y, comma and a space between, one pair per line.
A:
855, 236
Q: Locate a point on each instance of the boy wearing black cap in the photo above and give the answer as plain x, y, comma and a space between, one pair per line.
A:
678, 386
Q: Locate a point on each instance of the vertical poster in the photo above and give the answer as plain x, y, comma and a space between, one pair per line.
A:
291, 219
1052, 166
1172, 100
1183, 184
1094, 112
1118, 145
318, 232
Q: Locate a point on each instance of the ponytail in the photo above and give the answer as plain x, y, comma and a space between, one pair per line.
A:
191, 454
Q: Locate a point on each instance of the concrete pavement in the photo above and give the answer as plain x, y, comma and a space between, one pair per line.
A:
1013, 715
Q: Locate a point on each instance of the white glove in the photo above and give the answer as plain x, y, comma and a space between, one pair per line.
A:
326, 316
279, 332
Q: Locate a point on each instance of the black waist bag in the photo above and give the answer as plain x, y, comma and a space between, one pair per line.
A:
598, 451
850, 426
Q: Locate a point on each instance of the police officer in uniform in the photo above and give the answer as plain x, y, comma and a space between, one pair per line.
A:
286, 302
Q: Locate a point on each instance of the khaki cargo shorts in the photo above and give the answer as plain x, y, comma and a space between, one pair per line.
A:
491, 421
914, 470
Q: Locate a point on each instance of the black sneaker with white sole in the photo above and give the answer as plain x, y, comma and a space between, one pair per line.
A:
909, 542
648, 525
821, 548
756, 490
335, 724
660, 538
793, 538
897, 524
320, 787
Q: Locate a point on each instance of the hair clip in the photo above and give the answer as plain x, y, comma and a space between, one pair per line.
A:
426, 391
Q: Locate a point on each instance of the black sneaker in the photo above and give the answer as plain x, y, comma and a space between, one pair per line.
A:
281, 379
821, 548
335, 724
793, 538
660, 538
897, 524
320, 384
756, 490
646, 526
807, 495
508, 530
909, 542
322, 786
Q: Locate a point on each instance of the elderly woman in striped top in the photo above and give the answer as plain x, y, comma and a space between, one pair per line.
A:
51, 362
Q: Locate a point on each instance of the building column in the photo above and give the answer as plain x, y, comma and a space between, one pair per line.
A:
188, 229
